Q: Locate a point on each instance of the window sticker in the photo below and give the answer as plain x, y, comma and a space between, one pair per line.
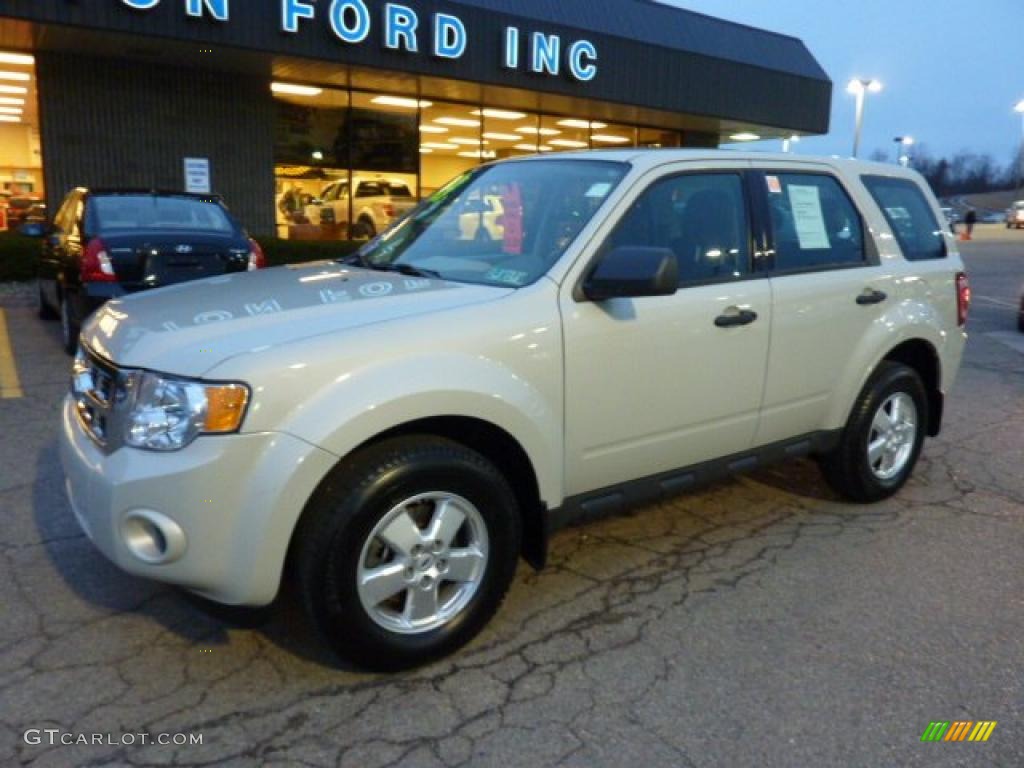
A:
508, 276
774, 185
599, 190
808, 218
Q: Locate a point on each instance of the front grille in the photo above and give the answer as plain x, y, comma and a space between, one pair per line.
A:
98, 387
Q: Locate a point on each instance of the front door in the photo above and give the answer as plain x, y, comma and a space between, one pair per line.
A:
655, 384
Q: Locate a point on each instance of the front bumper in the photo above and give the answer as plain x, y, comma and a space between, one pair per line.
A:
235, 500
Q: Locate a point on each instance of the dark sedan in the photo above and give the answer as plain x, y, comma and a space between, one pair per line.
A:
106, 243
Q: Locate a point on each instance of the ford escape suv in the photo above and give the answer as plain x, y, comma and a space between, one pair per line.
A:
391, 433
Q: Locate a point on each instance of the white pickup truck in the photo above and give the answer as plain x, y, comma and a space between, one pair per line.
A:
377, 203
391, 433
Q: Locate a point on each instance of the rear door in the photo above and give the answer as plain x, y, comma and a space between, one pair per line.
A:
828, 287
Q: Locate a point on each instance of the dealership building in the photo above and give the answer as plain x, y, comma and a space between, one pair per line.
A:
277, 105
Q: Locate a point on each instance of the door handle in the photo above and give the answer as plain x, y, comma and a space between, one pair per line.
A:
871, 296
734, 316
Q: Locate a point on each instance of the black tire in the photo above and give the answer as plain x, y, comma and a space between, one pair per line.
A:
46, 312
847, 468
364, 230
69, 326
343, 513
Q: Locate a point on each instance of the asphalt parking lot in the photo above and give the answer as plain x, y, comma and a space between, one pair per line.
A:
760, 622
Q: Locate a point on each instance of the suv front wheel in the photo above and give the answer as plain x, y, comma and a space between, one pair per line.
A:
882, 439
407, 551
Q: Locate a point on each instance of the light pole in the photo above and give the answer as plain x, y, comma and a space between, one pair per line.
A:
1020, 158
859, 87
903, 145
788, 142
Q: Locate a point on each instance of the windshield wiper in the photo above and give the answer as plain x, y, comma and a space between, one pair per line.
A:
406, 269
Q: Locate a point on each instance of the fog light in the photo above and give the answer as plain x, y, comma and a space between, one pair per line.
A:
153, 538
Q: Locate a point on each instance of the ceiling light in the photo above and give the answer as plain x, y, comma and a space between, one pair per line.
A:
12, 100
568, 143
9, 119
425, 150
467, 142
436, 145
532, 129
17, 58
499, 114
11, 110
584, 124
296, 90
433, 129
485, 154
527, 147
401, 101
745, 137
23, 76
503, 136
461, 122
608, 138
13, 88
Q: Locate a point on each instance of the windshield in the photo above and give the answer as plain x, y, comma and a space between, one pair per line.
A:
503, 224
157, 212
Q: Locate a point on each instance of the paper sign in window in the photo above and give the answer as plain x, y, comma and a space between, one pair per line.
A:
808, 218
512, 220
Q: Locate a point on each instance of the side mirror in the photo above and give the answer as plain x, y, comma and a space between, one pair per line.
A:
633, 271
33, 229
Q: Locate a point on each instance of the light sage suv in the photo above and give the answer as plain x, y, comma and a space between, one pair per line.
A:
392, 432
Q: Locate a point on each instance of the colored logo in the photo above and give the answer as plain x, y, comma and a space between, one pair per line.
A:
959, 730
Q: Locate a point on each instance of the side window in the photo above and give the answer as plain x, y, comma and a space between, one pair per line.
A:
910, 217
702, 218
814, 222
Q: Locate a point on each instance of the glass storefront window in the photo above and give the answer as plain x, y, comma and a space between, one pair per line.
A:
451, 143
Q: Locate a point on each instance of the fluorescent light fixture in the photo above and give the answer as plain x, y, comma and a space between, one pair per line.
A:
11, 110
296, 90
534, 130
13, 88
503, 136
584, 124
499, 114
8, 75
467, 142
607, 138
17, 58
484, 154
318, 155
425, 150
12, 100
527, 147
567, 143
401, 101
745, 136
432, 129
437, 145
859, 85
9, 119
460, 122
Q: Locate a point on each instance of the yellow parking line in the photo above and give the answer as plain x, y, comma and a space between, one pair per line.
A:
10, 386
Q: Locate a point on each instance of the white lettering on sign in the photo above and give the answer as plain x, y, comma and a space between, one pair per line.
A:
352, 23
197, 175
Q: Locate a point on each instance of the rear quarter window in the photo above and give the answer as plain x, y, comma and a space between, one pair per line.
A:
910, 217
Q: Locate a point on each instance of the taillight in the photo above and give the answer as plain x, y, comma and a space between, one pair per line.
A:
389, 211
96, 266
963, 298
256, 258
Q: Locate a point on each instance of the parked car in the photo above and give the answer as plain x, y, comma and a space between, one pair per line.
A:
376, 205
391, 433
482, 218
105, 243
1015, 215
21, 209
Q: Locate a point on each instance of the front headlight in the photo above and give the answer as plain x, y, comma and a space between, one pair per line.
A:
167, 413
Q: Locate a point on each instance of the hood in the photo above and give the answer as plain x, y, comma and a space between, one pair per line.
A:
189, 328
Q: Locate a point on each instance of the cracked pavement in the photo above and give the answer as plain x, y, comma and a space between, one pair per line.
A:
760, 622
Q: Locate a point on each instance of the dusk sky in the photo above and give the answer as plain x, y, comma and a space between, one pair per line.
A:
952, 70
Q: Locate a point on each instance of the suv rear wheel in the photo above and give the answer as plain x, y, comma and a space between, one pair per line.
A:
882, 439
407, 551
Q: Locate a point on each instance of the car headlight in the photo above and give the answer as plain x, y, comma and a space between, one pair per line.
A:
167, 414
